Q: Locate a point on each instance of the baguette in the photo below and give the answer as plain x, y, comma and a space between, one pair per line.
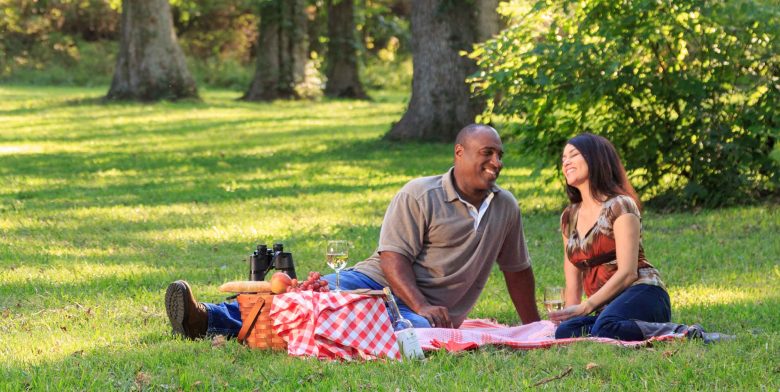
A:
246, 286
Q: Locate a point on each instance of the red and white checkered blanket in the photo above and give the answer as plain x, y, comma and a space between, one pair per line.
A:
351, 326
475, 333
334, 325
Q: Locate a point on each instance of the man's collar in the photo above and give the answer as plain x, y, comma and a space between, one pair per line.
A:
448, 183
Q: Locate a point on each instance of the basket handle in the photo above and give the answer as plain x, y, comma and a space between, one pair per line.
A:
250, 321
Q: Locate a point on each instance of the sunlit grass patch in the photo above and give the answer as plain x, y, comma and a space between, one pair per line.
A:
699, 295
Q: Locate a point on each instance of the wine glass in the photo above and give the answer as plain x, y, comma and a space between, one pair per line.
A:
553, 298
337, 255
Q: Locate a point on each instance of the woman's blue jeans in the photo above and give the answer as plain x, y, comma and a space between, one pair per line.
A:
640, 302
225, 318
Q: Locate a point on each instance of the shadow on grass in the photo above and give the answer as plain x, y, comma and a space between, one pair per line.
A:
189, 175
260, 124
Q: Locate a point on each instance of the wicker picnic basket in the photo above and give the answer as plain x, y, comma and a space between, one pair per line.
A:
257, 329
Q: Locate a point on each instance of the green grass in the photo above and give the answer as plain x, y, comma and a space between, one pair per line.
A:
102, 205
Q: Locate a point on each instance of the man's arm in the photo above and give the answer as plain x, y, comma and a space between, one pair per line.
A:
521, 287
399, 273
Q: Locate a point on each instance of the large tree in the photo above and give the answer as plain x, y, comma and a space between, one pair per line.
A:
282, 51
150, 65
441, 102
342, 61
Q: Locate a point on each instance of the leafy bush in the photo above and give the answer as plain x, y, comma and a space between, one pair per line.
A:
74, 42
82, 64
395, 74
686, 90
34, 34
227, 73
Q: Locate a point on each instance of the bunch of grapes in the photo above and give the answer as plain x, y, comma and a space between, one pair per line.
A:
312, 283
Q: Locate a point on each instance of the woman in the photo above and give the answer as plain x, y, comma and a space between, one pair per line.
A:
603, 255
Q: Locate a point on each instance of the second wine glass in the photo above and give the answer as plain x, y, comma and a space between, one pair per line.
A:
553, 298
337, 255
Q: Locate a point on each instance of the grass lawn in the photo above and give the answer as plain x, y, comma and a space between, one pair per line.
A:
102, 205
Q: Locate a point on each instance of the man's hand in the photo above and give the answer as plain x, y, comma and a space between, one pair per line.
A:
438, 316
399, 273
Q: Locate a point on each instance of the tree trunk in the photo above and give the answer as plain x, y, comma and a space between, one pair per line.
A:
342, 62
150, 65
441, 102
282, 51
488, 21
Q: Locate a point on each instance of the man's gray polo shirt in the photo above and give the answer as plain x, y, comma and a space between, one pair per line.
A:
428, 224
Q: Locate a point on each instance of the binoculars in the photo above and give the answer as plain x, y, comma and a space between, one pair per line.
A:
263, 260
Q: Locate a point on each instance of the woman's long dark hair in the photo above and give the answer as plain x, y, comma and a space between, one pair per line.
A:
606, 174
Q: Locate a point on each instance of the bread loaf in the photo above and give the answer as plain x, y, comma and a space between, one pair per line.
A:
246, 286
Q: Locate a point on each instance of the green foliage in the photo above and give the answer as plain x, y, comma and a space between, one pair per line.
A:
69, 42
103, 205
395, 74
383, 51
383, 26
687, 90
88, 19
35, 34
73, 42
92, 65
227, 73
216, 30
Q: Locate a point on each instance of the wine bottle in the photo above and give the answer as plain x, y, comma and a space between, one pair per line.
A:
408, 343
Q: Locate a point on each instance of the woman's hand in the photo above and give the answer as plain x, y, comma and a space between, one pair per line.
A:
568, 312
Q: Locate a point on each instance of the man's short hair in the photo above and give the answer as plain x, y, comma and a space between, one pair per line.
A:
469, 130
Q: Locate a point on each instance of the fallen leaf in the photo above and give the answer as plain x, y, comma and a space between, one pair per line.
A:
591, 365
218, 341
197, 383
142, 379
668, 353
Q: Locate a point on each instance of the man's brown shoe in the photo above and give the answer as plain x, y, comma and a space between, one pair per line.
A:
188, 316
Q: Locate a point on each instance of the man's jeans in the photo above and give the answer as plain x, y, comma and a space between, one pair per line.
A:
225, 318
640, 302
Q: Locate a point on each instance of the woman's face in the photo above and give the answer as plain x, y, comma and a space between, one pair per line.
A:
574, 167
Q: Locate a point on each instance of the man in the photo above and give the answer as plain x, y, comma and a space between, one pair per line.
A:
438, 242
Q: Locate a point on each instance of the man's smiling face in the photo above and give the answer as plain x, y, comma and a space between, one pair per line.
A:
478, 162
